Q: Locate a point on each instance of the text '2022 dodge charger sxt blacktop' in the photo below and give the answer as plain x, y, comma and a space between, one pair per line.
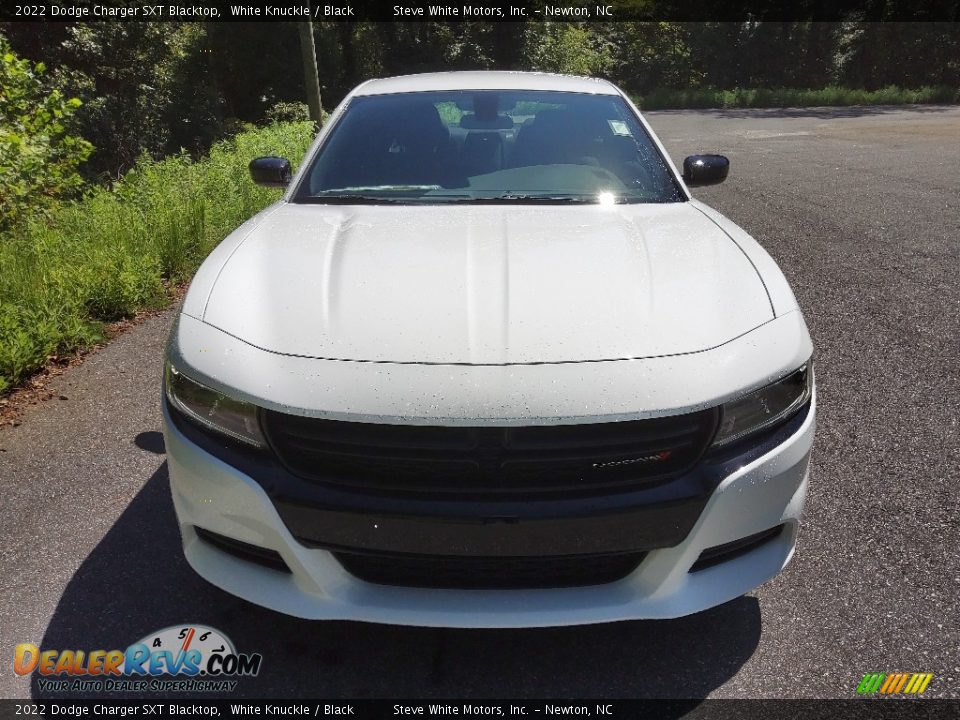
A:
488, 364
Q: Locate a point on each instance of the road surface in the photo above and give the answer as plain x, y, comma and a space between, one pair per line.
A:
860, 207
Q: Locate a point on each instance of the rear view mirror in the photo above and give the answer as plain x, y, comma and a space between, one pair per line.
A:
271, 171
699, 170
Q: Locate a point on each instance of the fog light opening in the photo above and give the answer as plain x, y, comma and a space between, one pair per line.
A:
731, 550
244, 551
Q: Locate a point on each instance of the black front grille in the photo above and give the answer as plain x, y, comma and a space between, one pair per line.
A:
482, 573
550, 459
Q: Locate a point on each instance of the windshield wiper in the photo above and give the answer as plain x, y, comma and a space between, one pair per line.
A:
381, 188
524, 198
368, 194
505, 199
348, 199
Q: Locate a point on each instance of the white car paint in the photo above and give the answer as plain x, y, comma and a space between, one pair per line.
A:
551, 393
488, 315
487, 285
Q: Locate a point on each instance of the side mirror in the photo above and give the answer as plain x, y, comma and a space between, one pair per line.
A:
701, 170
271, 171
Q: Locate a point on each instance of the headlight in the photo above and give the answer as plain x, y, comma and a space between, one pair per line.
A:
213, 409
765, 407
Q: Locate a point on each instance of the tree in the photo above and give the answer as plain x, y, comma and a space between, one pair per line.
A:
146, 90
311, 78
566, 47
39, 155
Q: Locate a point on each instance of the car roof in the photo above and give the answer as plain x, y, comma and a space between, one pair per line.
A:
486, 80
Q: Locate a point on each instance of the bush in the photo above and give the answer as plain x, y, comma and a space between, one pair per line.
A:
115, 251
38, 155
566, 48
287, 112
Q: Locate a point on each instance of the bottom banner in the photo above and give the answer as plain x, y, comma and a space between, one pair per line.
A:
865, 709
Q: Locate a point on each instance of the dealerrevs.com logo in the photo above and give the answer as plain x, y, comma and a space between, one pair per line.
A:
187, 658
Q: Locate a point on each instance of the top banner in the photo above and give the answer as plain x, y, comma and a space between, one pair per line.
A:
484, 11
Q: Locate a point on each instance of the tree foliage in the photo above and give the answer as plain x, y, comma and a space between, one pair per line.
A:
147, 89
39, 156
567, 48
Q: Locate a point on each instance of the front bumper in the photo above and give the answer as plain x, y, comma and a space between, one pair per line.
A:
765, 492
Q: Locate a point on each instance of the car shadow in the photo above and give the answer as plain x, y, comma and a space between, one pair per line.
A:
136, 581
151, 441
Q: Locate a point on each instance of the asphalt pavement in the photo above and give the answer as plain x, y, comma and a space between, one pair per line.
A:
861, 208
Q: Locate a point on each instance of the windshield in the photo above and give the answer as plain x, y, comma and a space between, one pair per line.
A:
488, 147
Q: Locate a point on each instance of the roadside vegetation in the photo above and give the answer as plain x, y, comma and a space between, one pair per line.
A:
119, 250
833, 95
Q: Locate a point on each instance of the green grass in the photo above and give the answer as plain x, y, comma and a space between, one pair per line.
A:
667, 99
118, 251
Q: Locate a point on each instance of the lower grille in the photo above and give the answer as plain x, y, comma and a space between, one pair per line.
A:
481, 573
489, 461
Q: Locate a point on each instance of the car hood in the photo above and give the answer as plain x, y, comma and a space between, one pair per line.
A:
490, 284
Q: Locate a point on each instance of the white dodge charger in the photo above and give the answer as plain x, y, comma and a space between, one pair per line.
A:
488, 364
